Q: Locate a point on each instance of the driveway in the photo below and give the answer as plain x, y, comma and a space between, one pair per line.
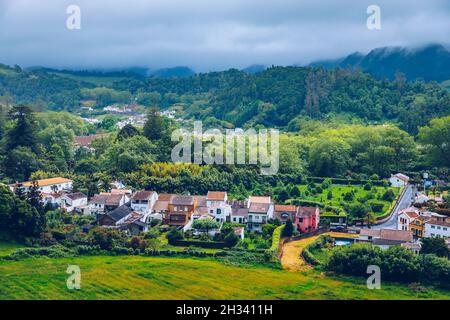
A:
404, 203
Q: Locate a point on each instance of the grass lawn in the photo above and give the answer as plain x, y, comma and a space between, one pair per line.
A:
135, 277
338, 192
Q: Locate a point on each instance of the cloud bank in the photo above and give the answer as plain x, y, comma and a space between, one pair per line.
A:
209, 35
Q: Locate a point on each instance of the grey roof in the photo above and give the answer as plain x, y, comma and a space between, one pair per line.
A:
142, 195
259, 207
120, 212
76, 195
239, 212
386, 242
182, 200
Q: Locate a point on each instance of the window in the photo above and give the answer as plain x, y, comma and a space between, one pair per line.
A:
433, 227
211, 211
174, 208
219, 211
445, 229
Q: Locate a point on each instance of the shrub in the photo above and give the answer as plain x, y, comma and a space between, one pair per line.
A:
388, 195
288, 229
174, 235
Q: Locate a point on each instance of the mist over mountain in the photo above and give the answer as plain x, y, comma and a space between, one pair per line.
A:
431, 62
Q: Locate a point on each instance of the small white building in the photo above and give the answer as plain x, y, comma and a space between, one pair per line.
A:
51, 185
421, 198
216, 202
399, 180
260, 210
406, 217
143, 201
437, 227
73, 200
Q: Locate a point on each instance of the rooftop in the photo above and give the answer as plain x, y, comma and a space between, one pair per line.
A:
142, 195
46, 182
216, 195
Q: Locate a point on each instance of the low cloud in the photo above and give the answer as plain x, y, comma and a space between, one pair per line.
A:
209, 35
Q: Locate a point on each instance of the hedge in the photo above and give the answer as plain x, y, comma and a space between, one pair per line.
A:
201, 244
274, 249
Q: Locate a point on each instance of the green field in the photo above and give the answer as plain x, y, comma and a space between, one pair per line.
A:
135, 277
339, 190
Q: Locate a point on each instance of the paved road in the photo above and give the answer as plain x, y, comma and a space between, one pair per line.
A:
404, 202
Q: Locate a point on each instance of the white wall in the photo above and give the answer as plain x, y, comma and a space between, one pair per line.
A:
432, 230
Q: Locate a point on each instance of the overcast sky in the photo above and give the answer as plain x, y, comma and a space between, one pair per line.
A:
209, 34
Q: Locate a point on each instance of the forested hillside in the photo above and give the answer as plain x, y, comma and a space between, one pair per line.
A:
278, 96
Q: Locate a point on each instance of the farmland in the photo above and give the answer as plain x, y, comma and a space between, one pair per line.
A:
339, 201
137, 277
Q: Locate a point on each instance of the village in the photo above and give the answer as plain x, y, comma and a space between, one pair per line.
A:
134, 213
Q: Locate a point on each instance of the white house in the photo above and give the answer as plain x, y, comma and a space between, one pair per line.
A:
406, 217
437, 227
421, 198
399, 180
260, 210
73, 200
106, 202
143, 201
52, 185
216, 202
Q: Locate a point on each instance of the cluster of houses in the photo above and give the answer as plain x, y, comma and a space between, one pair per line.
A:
134, 212
423, 223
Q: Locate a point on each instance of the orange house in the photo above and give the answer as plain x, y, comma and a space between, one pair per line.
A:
180, 210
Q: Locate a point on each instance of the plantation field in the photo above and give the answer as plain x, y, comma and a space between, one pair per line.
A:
338, 192
137, 277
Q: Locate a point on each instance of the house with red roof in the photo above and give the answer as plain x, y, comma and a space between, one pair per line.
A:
406, 217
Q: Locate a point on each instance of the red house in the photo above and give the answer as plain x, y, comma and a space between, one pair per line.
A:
307, 219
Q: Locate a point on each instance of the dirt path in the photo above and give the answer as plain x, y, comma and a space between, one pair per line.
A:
291, 259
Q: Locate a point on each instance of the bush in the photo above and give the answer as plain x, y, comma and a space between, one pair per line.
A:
174, 235
396, 264
288, 229
231, 239
388, 195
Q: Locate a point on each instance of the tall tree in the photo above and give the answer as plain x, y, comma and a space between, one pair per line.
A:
154, 127
23, 132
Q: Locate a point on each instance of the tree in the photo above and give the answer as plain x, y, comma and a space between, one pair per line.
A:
329, 156
295, 192
329, 195
18, 218
283, 195
288, 229
231, 239
23, 132
436, 138
127, 131
388, 195
154, 126
435, 246
105, 238
205, 225
34, 197
174, 235
20, 163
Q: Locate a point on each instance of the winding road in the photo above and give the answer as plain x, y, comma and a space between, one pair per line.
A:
405, 202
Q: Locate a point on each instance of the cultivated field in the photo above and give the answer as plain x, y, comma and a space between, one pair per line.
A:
135, 277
